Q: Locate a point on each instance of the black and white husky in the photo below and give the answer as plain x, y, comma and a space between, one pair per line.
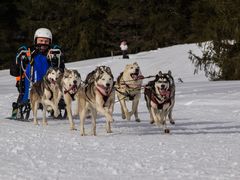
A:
160, 99
48, 93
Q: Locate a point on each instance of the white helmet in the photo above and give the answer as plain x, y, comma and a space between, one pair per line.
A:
43, 32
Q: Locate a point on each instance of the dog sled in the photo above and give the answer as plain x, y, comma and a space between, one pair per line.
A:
21, 109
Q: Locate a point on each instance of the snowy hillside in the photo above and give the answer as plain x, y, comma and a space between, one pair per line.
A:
204, 143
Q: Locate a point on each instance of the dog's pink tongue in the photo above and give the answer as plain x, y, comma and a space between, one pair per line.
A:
102, 89
74, 87
52, 81
135, 77
165, 93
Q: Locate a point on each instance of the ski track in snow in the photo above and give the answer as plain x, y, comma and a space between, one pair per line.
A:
204, 143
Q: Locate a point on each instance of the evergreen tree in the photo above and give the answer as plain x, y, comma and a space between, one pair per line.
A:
217, 22
8, 34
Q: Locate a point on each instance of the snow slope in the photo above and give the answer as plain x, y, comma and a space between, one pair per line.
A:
204, 143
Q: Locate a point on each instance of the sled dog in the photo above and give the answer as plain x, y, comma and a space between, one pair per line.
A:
128, 88
70, 83
97, 95
159, 95
99, 69
48, 93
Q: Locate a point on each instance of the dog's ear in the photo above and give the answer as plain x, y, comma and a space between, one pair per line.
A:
77, 73
160, 73
98, 73
135, 63
108, 69
156, 78
66, 72
170, 72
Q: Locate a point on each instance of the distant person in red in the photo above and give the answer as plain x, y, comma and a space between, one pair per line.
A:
124, 48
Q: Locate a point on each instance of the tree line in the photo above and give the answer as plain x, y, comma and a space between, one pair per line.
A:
94, 28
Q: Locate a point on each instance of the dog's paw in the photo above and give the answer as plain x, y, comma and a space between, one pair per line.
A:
110, 120
167, 131
108, 128
35, 123
152, 122
128, 117
72, 128
123, 116
45, 123
49, 108
109, 131
138, 120
56, 113
82, 133
94, 134
172, 121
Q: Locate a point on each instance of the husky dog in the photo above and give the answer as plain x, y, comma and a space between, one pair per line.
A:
160, 99
70, 83
92, 76
48, 93
99, 69
97, 96
128, 87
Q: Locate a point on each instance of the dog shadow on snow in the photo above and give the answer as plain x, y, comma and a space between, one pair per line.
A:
205, 127
122, 126
182, 127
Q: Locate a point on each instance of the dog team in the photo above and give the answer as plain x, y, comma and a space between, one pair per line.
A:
97, 95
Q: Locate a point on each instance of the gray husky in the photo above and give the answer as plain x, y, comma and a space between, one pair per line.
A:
48, 93
160, 99
97, 96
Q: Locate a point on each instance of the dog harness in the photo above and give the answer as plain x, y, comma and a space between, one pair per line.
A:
129, 91
72, 95
155, 99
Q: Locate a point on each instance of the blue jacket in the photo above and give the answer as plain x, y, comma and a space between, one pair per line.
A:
40, 67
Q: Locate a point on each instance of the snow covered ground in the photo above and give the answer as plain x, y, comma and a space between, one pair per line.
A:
204, 143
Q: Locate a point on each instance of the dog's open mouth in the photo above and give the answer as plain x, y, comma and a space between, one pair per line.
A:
134, 76
73, 88
104, 89
164, 92
52, 81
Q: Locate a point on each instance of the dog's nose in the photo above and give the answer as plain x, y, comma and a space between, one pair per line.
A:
107, 84
162, 86
74, 82
137, 70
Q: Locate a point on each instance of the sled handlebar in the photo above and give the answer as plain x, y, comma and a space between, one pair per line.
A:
22, 54
54, 52
54, 55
